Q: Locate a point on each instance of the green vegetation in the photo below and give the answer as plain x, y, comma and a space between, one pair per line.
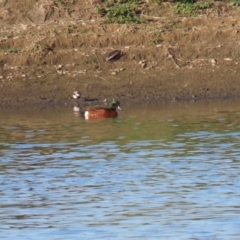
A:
123, 13
64, 1
71, 28
235, 3
120, 11
130, 11
156, 37
191, 7
10, 50
13, 50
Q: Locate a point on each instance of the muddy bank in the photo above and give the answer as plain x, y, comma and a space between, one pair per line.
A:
177, 85
44, 58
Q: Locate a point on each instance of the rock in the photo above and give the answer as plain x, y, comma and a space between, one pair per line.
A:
114, 55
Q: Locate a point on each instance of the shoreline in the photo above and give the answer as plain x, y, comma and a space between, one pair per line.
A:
168, 87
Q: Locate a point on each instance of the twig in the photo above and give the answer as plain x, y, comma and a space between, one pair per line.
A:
90, 3
104, 79
28, 18
173, 58
153, 17
97, 59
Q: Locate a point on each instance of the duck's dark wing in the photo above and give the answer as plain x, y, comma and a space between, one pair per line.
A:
96, 107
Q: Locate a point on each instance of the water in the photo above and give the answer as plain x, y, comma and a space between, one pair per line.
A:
158, 171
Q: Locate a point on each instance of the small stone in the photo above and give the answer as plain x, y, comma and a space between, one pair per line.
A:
59, 67
143, 63
213, 61
227, 59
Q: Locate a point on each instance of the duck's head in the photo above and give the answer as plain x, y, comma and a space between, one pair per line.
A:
115, 104
76, 95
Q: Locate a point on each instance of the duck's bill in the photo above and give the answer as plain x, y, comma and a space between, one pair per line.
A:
119, 108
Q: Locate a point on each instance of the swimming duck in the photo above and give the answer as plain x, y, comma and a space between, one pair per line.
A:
76, 95
102, 112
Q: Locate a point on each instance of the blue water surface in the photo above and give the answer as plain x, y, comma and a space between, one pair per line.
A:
166, 171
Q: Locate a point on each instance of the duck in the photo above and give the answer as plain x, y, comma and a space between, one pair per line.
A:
76, 95
98, 112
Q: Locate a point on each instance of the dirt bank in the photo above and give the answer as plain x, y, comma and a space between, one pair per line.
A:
48, 50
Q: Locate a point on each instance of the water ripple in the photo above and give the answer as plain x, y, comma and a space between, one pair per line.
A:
163, 182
